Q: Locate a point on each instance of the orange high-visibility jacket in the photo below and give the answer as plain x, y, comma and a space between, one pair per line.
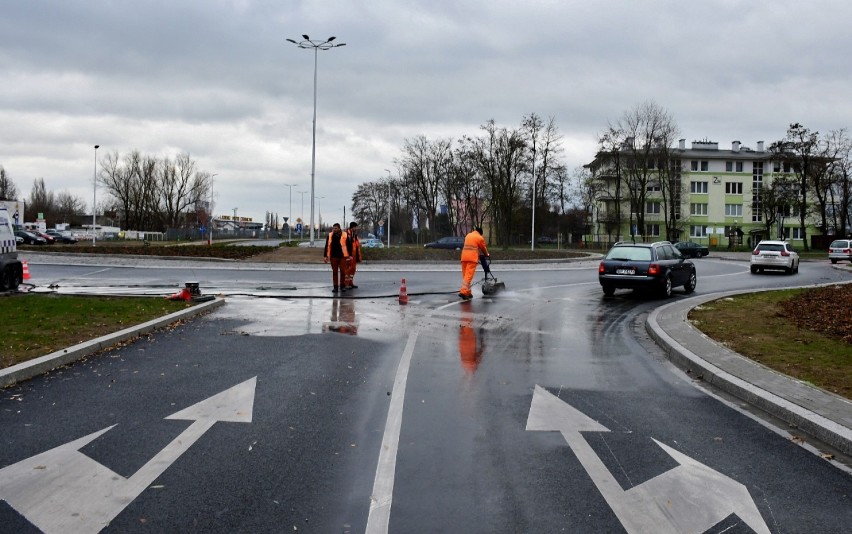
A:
474, 244
355, 245
343, 245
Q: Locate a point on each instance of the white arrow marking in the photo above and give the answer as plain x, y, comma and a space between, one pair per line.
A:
689, 498
63, 490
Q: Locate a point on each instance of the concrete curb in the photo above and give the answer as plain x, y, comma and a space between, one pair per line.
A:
714, 366
26, 370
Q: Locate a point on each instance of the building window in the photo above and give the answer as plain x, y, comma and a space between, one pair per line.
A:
693, 165
698, 187
653, 230
756, 187
705, 165
733, 188
729, 166
653, 188
797, 232
652, 207
739, 166
733, 210
698, 209
697, 230
777, 166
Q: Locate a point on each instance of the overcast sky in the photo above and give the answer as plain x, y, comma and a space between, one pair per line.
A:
217, 79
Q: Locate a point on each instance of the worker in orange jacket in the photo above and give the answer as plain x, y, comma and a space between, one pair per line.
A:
354, 253
337, 254
474, 245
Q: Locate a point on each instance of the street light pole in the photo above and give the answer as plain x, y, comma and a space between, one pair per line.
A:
210, 210
302, 213
95, 196
390, 180
290, 213
316, 45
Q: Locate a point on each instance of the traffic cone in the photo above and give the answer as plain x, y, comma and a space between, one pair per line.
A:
26, 270
183, 294
403, 293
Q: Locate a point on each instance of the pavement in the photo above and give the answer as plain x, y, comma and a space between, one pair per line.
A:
819, 413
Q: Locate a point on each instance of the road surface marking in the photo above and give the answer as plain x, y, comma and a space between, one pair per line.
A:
63, 490
689, 498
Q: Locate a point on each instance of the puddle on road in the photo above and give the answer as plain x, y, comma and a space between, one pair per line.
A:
373, 318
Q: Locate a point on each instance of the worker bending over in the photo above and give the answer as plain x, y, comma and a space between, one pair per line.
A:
474, 245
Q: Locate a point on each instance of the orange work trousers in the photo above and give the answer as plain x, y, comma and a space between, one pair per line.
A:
468, 270
349, 273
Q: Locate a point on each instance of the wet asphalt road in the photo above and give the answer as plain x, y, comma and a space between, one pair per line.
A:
329, 372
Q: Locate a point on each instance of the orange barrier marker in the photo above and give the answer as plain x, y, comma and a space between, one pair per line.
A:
403, 293
26, 270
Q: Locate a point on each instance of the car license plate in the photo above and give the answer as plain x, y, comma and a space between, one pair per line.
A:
625, 271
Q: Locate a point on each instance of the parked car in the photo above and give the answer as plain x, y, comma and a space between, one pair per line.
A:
840, 249
451, 243
62, 237
774, 255
691, 249
30, 238
47, 237
657, 267
19, 240
372, 243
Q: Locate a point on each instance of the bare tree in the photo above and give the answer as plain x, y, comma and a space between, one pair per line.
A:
777, 200
369, 203
180, 187
500, 157
41, 199
840, 191
426, 166
8, 190
466, 189
648, 131
611, 164
804, 153
68, 207
546, 169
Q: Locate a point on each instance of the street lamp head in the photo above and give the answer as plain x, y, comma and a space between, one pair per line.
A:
330, 39
306, 37
292, 41
97, 147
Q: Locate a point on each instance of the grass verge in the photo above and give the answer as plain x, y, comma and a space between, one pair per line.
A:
766, 328
33, 325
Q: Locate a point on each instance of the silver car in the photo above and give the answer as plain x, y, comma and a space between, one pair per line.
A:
774, 255
840, 249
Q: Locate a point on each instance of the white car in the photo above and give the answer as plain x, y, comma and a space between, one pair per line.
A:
774, 255
372, 243
840, 249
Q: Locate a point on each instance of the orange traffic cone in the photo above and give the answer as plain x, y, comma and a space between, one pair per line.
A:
183, 294
403, 293
26, 270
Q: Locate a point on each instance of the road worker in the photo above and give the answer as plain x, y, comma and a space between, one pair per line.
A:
337, 254
354, 254
474, 245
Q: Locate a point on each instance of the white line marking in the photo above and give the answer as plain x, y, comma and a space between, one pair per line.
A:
380, 501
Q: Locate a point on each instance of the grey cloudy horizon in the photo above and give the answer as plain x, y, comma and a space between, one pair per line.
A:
216, 79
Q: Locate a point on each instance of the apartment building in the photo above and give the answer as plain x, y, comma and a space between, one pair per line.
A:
717, 200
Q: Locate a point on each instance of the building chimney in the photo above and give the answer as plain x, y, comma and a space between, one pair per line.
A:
760, 146
681, 144
735, 146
